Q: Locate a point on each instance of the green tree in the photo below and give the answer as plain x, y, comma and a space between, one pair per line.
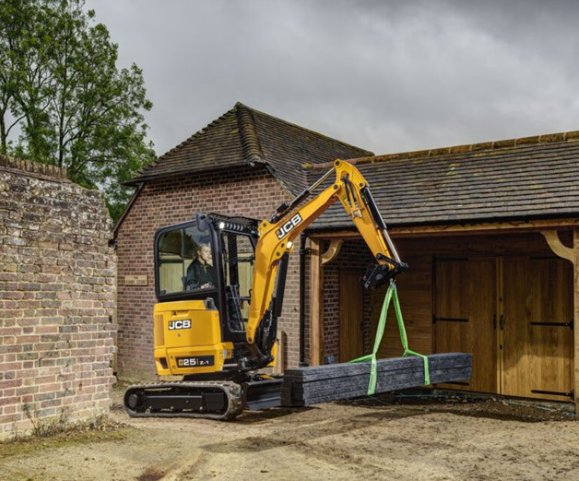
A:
16, 19
74, 106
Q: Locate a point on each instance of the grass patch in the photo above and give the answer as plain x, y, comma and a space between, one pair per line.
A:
56, 436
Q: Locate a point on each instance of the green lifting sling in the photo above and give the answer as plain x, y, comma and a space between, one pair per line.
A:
391, 294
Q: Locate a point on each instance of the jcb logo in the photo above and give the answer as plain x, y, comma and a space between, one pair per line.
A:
288, 226
175, 325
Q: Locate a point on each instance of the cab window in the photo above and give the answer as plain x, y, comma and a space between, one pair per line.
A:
184, 260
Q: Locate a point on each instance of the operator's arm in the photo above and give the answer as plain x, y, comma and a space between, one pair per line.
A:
277, 238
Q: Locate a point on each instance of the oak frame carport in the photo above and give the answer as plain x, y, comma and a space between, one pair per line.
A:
549, 229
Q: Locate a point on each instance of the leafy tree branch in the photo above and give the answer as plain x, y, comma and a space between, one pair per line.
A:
74, 107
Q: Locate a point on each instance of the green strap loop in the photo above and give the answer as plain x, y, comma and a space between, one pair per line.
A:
391, 294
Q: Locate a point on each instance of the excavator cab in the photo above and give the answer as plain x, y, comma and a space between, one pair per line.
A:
203, 278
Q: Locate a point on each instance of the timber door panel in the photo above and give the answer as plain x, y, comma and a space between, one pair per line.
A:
351, 316
465, 303
537, 344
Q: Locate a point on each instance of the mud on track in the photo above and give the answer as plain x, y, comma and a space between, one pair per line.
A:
361, 441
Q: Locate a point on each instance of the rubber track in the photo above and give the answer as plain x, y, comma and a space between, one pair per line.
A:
232, 391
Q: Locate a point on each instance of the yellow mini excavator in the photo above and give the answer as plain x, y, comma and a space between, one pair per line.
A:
220, 283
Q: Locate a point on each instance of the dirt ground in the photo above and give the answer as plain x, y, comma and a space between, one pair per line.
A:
409, 439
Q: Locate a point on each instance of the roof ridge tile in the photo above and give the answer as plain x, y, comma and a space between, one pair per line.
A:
252, 151
559, 137
304, 129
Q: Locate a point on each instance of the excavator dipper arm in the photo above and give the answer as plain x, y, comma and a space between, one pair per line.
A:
276, 241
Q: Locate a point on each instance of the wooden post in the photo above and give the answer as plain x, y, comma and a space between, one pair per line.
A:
576, 318
317, 261
279, 367
572, 255
316, 304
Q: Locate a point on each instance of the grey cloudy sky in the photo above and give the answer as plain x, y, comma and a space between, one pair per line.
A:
388, 76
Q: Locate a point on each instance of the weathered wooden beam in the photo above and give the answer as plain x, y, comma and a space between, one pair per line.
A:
313, 393
333, 382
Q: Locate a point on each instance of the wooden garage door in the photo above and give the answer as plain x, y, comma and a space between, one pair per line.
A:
464, 319
537, 337
514, 314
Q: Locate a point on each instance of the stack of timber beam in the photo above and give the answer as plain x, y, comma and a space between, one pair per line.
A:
318, 384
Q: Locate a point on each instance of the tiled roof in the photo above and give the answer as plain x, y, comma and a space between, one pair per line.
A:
529, 178
245, 135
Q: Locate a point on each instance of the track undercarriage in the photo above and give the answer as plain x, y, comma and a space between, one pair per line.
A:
222, 400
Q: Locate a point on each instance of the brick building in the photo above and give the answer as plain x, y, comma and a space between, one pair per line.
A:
57, 290
244, 163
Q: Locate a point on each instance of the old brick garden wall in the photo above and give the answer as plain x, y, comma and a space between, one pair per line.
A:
249, 192
57, 294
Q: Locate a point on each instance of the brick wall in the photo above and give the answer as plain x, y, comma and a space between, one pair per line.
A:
57, 288
250, 192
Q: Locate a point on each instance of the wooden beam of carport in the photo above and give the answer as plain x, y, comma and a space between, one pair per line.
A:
552, 238
441, 230
576, 316
332, 251
316, 306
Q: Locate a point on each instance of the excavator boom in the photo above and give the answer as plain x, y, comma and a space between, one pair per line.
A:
277, 239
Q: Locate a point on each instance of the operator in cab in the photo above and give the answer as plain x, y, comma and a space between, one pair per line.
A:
200, 271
